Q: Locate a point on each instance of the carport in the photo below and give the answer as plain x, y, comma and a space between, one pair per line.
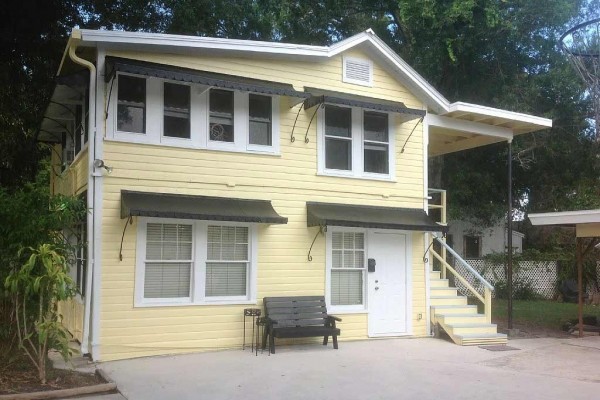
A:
587, 231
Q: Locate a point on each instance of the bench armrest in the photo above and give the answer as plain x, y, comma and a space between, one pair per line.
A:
333, 317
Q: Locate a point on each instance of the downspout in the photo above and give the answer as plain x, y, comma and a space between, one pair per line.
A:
426, 236
90, 195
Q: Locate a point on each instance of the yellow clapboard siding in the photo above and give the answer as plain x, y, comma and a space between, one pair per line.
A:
289, 180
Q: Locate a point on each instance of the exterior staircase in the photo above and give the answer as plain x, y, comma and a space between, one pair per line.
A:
458, 319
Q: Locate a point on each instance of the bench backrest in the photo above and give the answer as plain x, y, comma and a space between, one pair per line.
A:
296, 311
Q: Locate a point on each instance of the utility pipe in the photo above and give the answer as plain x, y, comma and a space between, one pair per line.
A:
90, 195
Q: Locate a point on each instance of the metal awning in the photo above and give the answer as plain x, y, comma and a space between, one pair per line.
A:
165, 205
318, 96
210, 79
411, 219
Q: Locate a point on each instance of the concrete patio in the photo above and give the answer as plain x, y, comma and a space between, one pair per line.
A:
376, 369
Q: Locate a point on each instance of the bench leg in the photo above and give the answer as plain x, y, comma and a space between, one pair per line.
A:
271, 344
325, 339
264, 338
335, 346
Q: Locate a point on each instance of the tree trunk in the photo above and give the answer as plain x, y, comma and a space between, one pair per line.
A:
42, 368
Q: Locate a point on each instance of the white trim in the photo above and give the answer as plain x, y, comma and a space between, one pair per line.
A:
199, 120
565, 217
469, 126
357, 147
198, 265
426, 239
143, 41
460, 106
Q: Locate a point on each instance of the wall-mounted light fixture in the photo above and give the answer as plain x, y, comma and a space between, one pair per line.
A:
100, 164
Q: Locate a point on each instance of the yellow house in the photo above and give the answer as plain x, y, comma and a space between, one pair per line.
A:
218, 172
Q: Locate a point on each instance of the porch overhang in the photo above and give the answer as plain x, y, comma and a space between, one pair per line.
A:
206, 78
465, 126
359, 216
180, 206
586, 222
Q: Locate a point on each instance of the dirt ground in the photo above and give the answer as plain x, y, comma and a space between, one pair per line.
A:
17, 375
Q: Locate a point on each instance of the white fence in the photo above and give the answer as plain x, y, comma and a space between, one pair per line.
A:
540, 274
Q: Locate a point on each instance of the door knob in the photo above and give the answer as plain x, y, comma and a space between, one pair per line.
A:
376, 287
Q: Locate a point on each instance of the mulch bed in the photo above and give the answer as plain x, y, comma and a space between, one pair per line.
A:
19, 376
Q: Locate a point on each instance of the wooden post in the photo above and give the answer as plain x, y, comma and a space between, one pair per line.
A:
488, 305
579, 250
443, 221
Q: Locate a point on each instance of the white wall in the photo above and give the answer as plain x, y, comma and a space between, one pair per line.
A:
493, 239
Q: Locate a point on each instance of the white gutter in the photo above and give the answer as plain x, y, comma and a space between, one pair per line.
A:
90, 195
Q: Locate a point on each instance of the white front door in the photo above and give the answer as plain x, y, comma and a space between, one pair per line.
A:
388, 285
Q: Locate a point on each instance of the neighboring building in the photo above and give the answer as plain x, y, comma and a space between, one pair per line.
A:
218, 172
471, 241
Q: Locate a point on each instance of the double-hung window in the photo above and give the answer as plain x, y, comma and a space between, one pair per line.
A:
131, 104
356, 143
169, 260
347, 269
194, 262
156, 111
227, 262
221, 124
176, 114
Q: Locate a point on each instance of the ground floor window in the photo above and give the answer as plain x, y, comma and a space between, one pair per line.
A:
346, 268
194, 262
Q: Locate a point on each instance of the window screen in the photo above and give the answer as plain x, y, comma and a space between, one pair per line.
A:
168, 260
338, 138
260, 120
376, 143
176, 110
131, 104
347, 268
227, 261
221, 115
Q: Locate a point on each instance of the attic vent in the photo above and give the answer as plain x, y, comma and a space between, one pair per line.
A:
358, 71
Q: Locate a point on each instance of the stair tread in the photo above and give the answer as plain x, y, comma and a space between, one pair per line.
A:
465, 315
448, 297
442, 288
480, 335
471, 325
456, 306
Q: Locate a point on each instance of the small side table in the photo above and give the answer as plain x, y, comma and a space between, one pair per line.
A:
261, 325
254, 313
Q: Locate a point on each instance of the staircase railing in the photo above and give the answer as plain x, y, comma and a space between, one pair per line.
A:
486, 299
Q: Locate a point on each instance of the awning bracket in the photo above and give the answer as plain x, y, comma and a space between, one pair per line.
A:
322, 230
129, 222
425, 259
411, 132
293, 138
112, 83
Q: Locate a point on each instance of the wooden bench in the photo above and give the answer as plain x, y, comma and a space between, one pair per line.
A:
298, 317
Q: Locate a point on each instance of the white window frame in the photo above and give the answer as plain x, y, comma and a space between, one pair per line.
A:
199, 120
358, 165
347, 309
199, 259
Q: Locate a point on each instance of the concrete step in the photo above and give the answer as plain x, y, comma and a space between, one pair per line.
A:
448, 300
449, 319
435, 283
480, 339
470, 329
454, 309
444, 291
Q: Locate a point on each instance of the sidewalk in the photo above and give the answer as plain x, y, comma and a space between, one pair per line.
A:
377, 369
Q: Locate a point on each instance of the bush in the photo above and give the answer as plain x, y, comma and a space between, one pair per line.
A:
522, 290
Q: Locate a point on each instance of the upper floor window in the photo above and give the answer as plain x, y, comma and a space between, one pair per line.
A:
260, 112
176, 111
184, 115
131, 108
221, 115
355, 143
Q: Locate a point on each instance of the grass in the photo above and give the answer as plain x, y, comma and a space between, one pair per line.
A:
541, 313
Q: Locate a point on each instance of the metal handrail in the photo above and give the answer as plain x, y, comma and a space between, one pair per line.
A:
465, 264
